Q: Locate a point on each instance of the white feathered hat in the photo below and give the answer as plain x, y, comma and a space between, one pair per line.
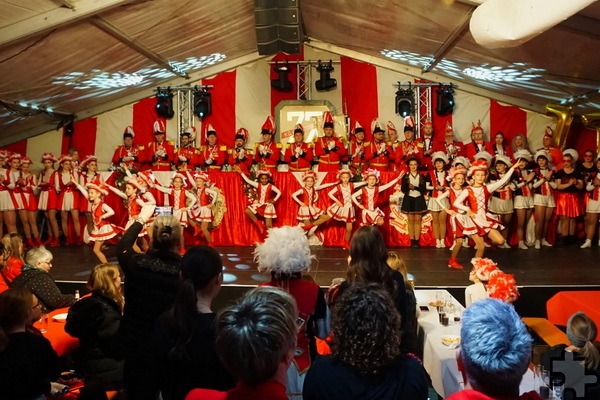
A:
504, 159
573, 153
439, 155
284, 251
543, 153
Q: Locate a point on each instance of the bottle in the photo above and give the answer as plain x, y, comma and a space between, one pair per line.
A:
76, 294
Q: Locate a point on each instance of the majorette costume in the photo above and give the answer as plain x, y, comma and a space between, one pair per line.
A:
567, 199
475, 146
437, 179
307, 200
477, 199
103, 230
212, 156
206, 197
299, 156
330, 150
68, 198
160, 154
11, 179
544, 185
4, 196
27, 201
187, 157
132, 156
343, 194
523, 193
501, 201
378, 153
264, 193
47, 198
357, 150
369, 198
135, 203
84, 179
460, 222
179, 198
240, 156
267, 153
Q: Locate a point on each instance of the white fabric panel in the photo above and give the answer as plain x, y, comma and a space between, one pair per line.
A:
47, 142
110, 127
536, 126
469, 109
253, 98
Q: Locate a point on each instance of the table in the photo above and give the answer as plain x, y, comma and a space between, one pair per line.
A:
439, 360
564, 304
61, 341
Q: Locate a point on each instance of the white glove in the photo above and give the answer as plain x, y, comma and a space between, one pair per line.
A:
147, 212
298, 151
331, 145
161, 153
242, 154
209, 160
262, 149
182, 159
128, 158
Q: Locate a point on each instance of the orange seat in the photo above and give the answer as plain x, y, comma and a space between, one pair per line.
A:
547, 331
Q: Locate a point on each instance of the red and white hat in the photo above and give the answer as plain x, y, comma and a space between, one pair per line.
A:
133, 181
268, 128
502, 286
478, 165
26, 160
476, 128
100, 187
483, 155
391, 127
327, 120
128, 132
3, 154
409, 124
180, 176
145, 177
309, 174
201, 175
371, 172
483, 268
543, 153
449, 128
209, 130
298, 129
241, 133
461, 160
503, 159
14, 156
439, 155
548, 133
159, 127
64, 157
376, 126
48, 156
263, 172
189, 131
342, 172
460, 170
86, 160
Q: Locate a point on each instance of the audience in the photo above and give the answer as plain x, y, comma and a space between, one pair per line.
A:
366, 360
37, 279
3, 283
479, 275
285, 254
396, 263
151, 285
27, 361
95, 321
256, 340
185, 334
494, 354
13, 247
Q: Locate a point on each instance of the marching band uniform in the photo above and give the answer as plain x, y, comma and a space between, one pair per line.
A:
298, 155
478, 145
187, 156
160, 153
133, 156
239, 155
212, 155
267, 153
329, 148
378, 153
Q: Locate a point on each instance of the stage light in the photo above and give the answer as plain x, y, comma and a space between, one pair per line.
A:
202, 102
325, 82
164, 103
404, 102
282, 83
445, 100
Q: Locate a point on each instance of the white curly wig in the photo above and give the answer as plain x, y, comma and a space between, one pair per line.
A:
285, 251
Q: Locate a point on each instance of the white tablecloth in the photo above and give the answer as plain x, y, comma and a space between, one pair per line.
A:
438, 359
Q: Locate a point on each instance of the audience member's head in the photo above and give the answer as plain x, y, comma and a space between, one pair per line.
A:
366, 328
3, 256
13, 245
106, 279
495, 348
256, 337
582, 331
39, 257
166, 233
18, 308
284, 252
397, 264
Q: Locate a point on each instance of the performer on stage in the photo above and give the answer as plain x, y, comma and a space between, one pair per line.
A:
477, 144
201, 214
593, 206
554, 151
523, 194
377, 153
28, 213
89, 173
48, 198
298, 155
357, 150
239, 155
409, 147
499, 147
264, 203
103, 230
129, 153
11, 205
160, 153
543, 198
569, 182
267, 153
477, 196
68, 198
451, 147
428, 146
501, 202
329, 148
437, 184
307, 198
367, 197
414, 187
187, 156
212, 155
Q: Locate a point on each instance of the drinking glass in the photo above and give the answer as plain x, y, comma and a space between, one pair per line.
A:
44, 323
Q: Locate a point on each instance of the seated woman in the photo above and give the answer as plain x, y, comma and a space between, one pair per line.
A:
13, 249
95, 321
581, 331
185, 335
27, 361
36, 278
366, 360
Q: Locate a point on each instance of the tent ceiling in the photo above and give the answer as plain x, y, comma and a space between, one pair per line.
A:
85, 56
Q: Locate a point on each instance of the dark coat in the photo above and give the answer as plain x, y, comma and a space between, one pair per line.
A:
41, 283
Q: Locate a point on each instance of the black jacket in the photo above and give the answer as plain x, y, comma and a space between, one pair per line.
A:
41, 283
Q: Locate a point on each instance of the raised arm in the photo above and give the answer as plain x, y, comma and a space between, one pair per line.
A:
248, 180
389, 184
163, 189
83, 190
191, 179
116, 191
492, 187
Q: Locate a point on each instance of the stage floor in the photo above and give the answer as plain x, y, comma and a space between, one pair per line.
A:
548, 267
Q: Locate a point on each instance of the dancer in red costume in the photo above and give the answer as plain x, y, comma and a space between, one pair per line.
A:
201, 214
48, 199
367, 197
68, 198
501, 202
264, 203
28, 203
543, 197
438, 184
11, 178
89, 174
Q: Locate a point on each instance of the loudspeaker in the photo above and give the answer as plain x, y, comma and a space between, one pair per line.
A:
278, 26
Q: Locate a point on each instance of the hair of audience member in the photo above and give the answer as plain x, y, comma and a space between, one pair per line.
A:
495, 347
255, 335
368, 259
3, 252
102, 280
397, 264
582, 331
13, 245
366, 328
201, 264
15, 309
165, 233
38, 254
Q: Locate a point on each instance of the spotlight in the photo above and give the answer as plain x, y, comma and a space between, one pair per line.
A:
201, 102
282, 83
445, 100
164, 103
404, 101
325, 82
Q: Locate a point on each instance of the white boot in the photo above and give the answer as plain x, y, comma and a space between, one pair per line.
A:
586, 244
442, 244
465, 245
505, 245
522, 245
437, 243
537, 245
452, 247
545, 243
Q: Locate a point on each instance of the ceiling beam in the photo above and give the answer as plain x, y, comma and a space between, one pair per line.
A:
130, 42
449, 42
55, 18
417, 73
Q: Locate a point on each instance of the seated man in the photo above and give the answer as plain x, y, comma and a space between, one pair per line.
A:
255, 341
494, 354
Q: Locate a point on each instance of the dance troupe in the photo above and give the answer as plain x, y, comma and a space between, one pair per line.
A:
475, 188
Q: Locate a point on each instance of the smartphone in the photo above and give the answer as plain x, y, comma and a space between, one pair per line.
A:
423, 308
162, 211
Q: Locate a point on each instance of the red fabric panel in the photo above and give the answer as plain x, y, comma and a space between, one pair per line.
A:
359, 93
509, 120
18, 147
581, 139
144, 115
277, 96
222, 116
84, 138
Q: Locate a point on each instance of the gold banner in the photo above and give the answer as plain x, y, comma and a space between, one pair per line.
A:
564, 117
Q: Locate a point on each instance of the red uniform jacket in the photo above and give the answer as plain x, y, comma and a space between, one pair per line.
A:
298, 156
235, 156
137, 152
160, 163
270, 156
216, 153
329, 159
